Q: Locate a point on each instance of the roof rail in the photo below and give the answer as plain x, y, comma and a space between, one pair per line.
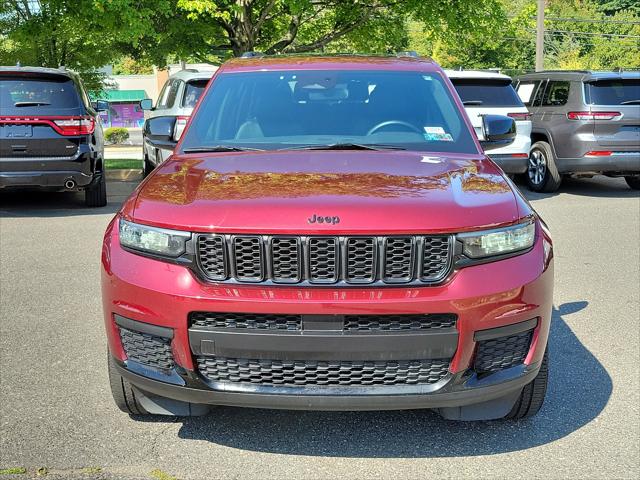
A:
252, 55
408, 53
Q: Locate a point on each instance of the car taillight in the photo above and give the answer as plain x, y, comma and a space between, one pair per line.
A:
519, 116
593, 115
181, 123
598, 153
74, 126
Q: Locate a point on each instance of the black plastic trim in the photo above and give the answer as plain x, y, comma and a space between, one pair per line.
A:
505, 331
143, 327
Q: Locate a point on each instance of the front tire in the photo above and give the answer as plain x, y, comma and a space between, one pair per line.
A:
542, 173
96, 194
147, 167
123, 394
532, 396
633, 181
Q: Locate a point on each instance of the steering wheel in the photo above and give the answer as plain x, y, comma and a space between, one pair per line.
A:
393, 122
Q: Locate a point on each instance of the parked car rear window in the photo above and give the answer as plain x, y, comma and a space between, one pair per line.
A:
277, 110
613, 92
20, 96
487, 93
192, 92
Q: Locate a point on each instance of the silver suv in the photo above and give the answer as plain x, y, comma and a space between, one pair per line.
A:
177, 98
584, 123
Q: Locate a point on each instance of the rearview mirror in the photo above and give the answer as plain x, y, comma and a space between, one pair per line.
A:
158, 132
498, 131
146, 104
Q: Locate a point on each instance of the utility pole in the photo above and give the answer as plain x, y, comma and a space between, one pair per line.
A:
540, 36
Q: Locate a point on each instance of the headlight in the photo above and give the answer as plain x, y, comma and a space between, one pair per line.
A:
499, 241
170, 243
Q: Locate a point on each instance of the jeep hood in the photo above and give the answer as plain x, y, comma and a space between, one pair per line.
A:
383, 192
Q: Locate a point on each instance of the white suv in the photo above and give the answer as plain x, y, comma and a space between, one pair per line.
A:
177, 98
484, 93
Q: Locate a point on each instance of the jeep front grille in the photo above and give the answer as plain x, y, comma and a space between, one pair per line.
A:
334, 373
324, 259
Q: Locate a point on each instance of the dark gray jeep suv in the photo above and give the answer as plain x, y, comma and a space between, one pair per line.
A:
50, 134
584, 123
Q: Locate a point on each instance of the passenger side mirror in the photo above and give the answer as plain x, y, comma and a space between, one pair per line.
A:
498, 131
101, 105
146, 104
158, 131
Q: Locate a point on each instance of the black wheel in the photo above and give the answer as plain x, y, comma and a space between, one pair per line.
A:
532, 396
96, 194
123, 394
147, 167
542, 172
633, 181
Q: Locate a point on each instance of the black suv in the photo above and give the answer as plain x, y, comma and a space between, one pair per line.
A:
50, 134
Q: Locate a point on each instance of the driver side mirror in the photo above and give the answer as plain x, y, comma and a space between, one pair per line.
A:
146, 104
158, 131
498, 131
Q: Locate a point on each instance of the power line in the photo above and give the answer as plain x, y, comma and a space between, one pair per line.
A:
590, 34
582, 20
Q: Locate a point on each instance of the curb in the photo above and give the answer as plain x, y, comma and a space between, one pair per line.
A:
123, 174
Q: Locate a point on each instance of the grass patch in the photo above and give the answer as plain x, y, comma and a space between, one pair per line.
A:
12, 471
91, 470
160, 475
125, 163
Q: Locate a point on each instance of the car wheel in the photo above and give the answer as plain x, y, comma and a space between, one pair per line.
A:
633, 181
123, 394
542, 172
96, 194
147, 167
532, 396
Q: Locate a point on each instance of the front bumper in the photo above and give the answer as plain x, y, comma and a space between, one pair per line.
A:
511, 163
483, 297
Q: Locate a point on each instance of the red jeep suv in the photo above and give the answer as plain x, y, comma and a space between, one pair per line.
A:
328, 234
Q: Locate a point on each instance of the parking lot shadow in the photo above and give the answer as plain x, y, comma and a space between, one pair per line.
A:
579, 390
598, 186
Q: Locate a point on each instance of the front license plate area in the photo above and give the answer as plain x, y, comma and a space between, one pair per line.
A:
17, 131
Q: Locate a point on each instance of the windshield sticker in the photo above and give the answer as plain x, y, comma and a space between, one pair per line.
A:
438, 137
434, 130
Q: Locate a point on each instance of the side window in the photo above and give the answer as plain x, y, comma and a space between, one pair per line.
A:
162, 98
173, 93
556, 95
539, 92
526, 91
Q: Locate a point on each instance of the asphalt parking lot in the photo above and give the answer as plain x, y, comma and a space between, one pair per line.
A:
56, 409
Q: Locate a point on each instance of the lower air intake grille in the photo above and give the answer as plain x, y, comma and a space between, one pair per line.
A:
147, 349
503, 352
399, 322
304, 373
246, 320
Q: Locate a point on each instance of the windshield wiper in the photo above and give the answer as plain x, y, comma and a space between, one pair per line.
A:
221, 148
30, 104
631, 102
347, 146
472, 102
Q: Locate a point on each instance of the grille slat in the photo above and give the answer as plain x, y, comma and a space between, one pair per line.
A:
147, 349
261, 321
365, 323
324, 260
305, 373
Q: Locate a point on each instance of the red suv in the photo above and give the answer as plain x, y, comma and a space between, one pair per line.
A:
328, 234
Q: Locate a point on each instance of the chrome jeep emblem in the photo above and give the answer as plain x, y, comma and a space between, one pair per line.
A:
324, 219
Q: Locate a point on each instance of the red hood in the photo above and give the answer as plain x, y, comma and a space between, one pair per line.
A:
371, 192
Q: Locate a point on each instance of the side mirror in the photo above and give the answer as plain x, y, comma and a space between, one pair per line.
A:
101, 105
498, 131
158, 132
146, 104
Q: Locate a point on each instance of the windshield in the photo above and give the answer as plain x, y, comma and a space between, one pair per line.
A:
613, 92
281, 110
487, 93
45, 96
